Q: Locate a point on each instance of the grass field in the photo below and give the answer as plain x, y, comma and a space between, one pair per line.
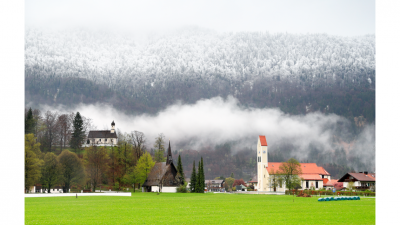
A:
176, 208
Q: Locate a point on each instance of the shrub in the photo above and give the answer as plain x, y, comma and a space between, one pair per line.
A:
182, 188
234, 189
116, 186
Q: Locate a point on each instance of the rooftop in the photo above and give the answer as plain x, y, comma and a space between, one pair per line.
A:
263, 140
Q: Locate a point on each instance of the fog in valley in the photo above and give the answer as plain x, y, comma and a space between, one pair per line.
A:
223, 59
216, 121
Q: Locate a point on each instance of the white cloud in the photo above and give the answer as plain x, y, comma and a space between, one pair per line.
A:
216, 121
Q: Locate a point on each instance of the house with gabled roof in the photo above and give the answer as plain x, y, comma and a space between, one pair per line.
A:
361, 180
333, 183
214, 185
102, 137
163, 176
312, 175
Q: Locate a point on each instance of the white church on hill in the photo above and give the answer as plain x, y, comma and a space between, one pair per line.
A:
102, 137
312, 176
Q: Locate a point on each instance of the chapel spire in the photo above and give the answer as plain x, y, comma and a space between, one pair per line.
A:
169, 154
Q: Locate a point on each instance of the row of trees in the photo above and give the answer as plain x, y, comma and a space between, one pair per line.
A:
124, 165
99, 166
50, 169
57, 131
197, 179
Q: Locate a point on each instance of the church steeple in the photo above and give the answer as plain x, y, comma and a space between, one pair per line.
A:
169, 154
112, 127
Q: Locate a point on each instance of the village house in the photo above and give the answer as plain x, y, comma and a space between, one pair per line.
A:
361, 180
311, 178
102, 137
163, 174
214, 185
333, 183
253, 182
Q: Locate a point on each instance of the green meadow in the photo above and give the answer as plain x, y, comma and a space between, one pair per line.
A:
178, 208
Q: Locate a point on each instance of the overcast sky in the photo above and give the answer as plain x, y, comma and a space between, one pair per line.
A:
337, 17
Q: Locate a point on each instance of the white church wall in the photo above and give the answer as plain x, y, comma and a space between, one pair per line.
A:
164, 189
154, 188
169, 189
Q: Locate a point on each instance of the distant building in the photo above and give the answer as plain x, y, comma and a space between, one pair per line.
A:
102, 137
330, 184
164, 173
40, 189
312, 175
361, 180
214, 185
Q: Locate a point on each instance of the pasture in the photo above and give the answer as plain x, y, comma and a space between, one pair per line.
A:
178, 208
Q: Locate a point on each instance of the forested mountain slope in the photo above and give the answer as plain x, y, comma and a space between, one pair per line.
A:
297, 73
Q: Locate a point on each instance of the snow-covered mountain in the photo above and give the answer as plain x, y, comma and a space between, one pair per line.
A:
153, 70
107, 57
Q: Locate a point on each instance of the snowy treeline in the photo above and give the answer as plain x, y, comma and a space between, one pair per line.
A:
120, 60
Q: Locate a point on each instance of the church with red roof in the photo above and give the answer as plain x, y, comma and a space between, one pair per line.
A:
312, 176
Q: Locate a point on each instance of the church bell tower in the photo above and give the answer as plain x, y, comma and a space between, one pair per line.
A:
262, 164
112, 127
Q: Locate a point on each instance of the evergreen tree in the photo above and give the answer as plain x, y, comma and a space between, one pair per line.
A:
203, 181
78, 135
198, 178
29, 122
180, 171
193, 179
232, 175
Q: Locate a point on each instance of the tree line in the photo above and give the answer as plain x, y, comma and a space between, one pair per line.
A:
57, 131
125, 165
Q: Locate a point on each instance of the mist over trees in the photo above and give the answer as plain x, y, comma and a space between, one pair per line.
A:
297, 73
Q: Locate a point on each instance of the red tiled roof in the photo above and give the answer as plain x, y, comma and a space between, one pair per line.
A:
306, 168
263, 140
310, 177
323, 171
330, 183
360, 176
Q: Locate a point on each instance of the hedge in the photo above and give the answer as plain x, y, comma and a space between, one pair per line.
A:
329, 192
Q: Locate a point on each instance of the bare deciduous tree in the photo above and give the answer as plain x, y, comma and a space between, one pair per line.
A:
138, 141
50, 121
64, 129
96, 164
